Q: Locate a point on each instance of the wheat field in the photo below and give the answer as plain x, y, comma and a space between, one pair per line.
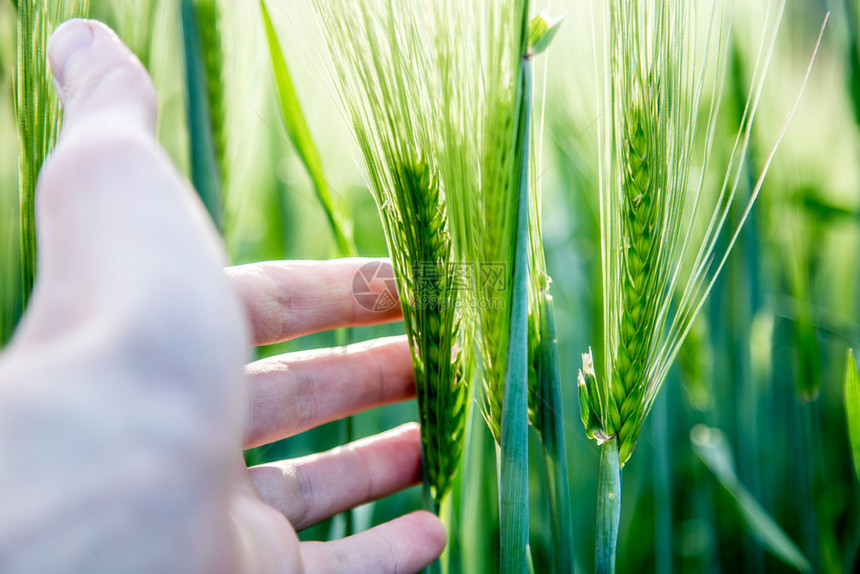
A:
626, 238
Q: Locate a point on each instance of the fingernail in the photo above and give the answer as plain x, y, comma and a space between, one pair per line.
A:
69, 40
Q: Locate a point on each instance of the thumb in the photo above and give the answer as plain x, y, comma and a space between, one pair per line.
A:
126, 249
98, 77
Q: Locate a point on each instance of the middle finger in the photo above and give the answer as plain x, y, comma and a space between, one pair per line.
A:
295, 392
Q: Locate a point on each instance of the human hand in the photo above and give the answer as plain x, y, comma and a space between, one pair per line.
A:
124, 400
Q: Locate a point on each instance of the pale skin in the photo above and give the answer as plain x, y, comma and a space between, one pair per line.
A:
125, 401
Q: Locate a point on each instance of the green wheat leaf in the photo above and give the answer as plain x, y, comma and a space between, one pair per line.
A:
852, 408
205, 169
514, 454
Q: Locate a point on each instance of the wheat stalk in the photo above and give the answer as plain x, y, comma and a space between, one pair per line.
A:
9, 236
643, 187
447, 84
485, 77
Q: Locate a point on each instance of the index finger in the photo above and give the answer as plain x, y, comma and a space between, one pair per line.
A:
288, 299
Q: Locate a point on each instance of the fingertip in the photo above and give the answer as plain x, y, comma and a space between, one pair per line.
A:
96, 75
434, 530
69, 40
424, 538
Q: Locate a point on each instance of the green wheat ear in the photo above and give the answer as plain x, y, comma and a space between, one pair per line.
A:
644, 210
659, 248
660, 253
650, 89
433, 325
376, 53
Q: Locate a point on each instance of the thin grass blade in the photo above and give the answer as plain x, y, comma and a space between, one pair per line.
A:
514, 472
711, 447
297, 129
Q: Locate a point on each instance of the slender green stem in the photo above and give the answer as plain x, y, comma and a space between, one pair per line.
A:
551, 413
428, 501
514, 476
662, 487
205, 172
608, 507
430, 505
434, 567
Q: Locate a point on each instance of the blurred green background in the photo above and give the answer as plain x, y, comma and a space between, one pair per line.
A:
764, 364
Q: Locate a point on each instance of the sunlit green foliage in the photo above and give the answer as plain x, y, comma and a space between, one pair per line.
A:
764, 362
